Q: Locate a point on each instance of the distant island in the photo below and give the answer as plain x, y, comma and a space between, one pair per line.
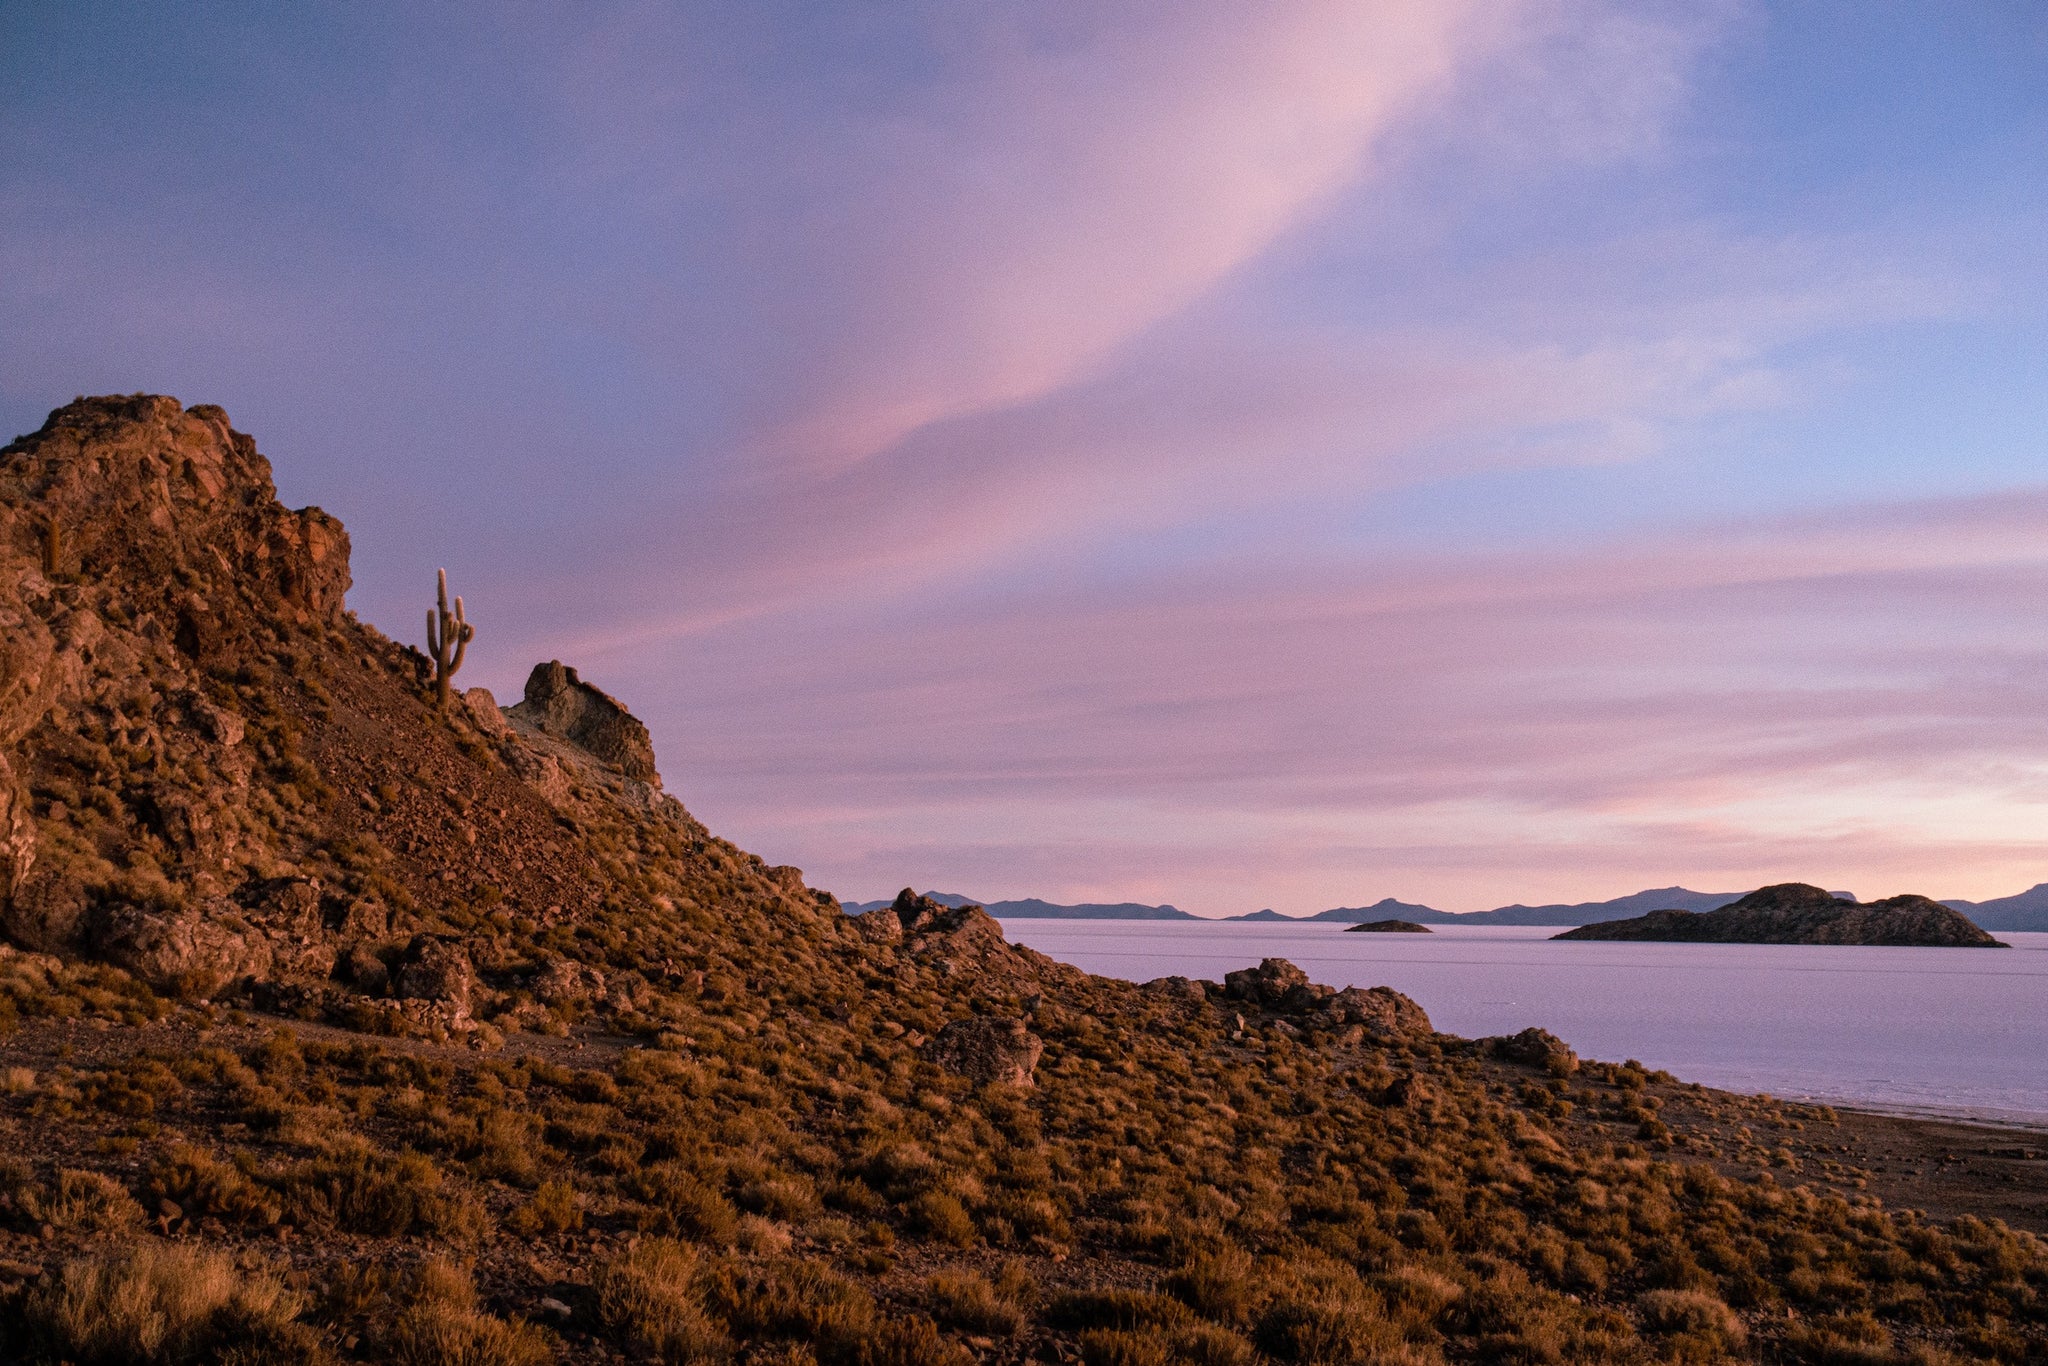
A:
1387, 927
1796, 913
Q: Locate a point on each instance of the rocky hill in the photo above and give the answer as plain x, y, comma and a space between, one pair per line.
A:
340, 1025
1796, 913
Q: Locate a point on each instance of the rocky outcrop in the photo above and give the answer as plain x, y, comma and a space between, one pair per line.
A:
953, 937
1279, 986
142, 549
990, 1051
1388, 927
1533, 1048
1798, 913
560, 704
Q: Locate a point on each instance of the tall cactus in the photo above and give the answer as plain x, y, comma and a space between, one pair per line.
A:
53, 548
447, 636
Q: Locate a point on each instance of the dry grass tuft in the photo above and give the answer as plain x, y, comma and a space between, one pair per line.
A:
162, 1304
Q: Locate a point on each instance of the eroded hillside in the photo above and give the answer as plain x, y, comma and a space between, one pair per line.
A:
345, 1027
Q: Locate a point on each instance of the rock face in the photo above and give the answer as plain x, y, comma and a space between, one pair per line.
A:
990, 1051
1798, 913
1388, 927
563, 705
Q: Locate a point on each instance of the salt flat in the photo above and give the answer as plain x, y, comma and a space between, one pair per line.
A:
1923, 1031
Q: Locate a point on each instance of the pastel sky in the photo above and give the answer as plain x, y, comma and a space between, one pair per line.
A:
1230, 454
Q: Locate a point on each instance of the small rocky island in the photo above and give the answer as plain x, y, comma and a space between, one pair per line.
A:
1387, 927
1797, 913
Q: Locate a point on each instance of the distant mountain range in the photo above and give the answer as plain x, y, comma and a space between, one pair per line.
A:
2026, 911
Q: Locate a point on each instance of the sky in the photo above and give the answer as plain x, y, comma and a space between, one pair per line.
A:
1469, 451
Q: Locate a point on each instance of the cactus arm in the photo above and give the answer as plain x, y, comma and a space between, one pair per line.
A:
463, 631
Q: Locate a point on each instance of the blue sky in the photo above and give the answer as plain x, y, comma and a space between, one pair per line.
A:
1230, 455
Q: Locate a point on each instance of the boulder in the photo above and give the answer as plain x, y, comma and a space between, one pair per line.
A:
992, 1051
1178, 989
882, 926
1383, 1011
1534, 1048
483, 709
180, 951
435, 970
1274, 982
561, 704
560, 981
365, 971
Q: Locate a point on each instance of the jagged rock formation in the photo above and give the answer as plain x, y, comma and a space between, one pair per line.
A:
560, 704
1798, 913
1388, 927
1279, 986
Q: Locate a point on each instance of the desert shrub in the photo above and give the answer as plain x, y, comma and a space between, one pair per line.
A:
1122, 1347
553, 1208
1326, 1328
648, 1298
361, 1190
763, 1237
911, 1341
202, 1186
1127, 1310
679, 1201
163, 1304
443, 1327
83, 1200
1692, 1313
1204, 1344
804, 1300
971, 1303
1217, 1285
939, 1215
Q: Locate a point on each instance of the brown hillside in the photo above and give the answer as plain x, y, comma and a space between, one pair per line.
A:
340, 1027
